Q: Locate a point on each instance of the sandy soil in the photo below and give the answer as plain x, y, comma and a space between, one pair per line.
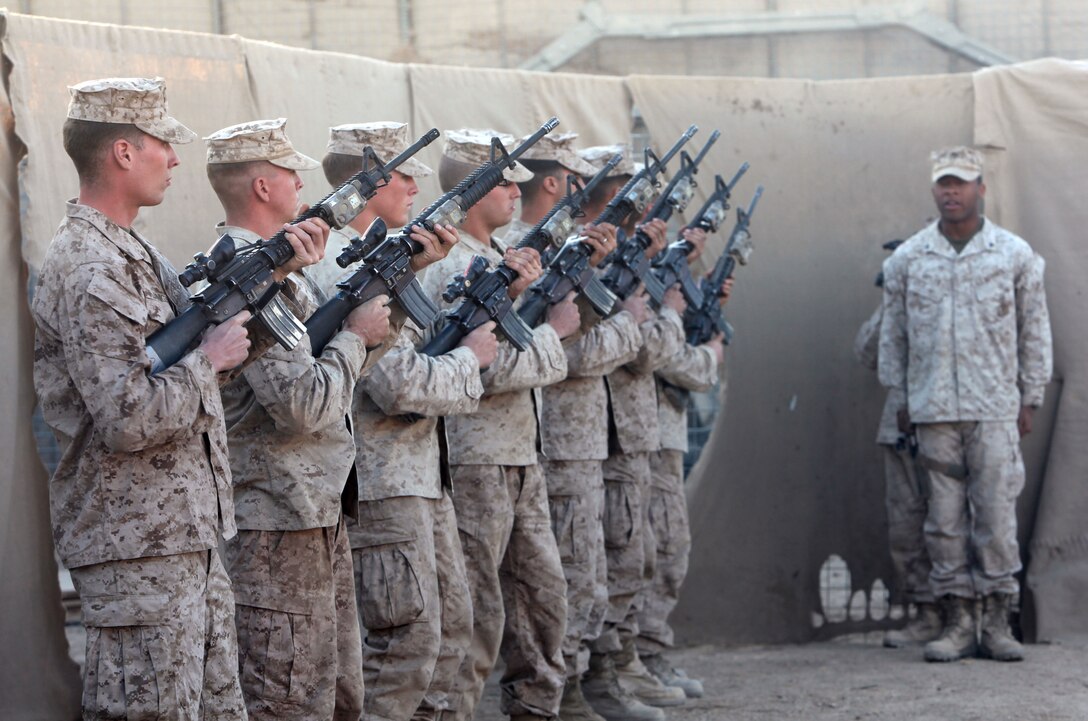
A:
858, 680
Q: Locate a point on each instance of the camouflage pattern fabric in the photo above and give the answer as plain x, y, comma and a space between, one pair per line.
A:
905, 498
693, 368
143, 468
298, 629
291, 445
161, 641
668, 521
626, 478
966, 336
632, 391
519, 599
504, 430
973, 553
866, 347
414, 604
400, 458
575, 499
325, 272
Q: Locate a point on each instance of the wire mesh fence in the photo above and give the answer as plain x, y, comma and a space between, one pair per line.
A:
765, 38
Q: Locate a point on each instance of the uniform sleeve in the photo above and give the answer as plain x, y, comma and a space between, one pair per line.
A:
303, 394
867, 342
662, 338
694, 368
405, 381
604, 347
542, 364
104, 345
1035, 348
893, 349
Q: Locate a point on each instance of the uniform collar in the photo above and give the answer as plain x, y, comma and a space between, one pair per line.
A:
983, 240
128, 241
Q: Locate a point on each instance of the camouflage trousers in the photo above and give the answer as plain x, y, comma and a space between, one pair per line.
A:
905, 498
976, 475
626, 482
414, 605
519, 595
161, 642
576, 498
667, 518
298, 629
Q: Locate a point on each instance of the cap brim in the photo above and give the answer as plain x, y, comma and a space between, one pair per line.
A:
168, 129
415, 169
578, 166
296, 161
518, 174
961, 173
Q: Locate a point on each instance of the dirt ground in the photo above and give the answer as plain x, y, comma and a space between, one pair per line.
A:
859, 680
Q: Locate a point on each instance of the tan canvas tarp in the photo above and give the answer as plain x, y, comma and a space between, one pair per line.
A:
1033, 121
792, 474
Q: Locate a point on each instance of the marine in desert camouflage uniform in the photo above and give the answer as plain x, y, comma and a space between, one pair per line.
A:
633, 435
966, 341
412, 592
291, 453
574, 420
905, 490
143, 482
694, 368
518, 589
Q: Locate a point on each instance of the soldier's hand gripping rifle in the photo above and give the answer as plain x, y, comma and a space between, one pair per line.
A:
701, 322
386, 260
671, 266
570, 270
485, 292
243, 278
628, 265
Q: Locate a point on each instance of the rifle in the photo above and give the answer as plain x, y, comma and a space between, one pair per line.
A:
242, 278
703, 321
570, 270
385, 267
485, 291
629, 264
671, 266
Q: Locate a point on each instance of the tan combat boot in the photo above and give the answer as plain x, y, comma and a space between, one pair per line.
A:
646, 687
923, 628
603, 692
574, 706
659, 666
998, 642
957, 639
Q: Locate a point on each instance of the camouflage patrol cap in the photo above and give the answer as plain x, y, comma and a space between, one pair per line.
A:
257, 140
474, 147
961, 162
130, 101
388, 139
560, 148
599, 155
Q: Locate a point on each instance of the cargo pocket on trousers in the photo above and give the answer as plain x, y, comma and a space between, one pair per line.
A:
620, 511
274, 632
391, 593
132, 667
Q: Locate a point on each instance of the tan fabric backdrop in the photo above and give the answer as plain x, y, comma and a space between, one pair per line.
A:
1033, 121
795, 475
791, 474
37, 678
